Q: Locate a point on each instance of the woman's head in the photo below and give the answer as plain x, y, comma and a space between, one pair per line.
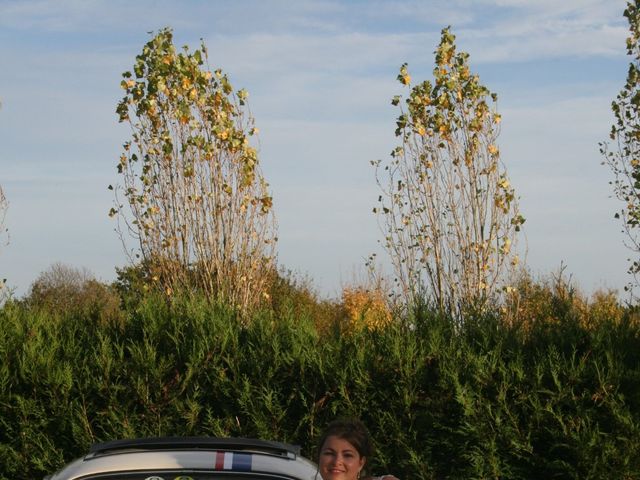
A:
344, 448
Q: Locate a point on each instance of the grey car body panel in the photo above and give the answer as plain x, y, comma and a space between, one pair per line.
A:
173, 455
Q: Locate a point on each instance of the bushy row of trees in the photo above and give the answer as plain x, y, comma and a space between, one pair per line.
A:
557, 397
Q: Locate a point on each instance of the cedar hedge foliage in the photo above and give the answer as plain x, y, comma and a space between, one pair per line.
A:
481, 400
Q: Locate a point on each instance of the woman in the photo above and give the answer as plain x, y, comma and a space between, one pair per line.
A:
344, 449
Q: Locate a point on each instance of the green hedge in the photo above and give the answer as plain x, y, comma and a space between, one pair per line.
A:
478, 401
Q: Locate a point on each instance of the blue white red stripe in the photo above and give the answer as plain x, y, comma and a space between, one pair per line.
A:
239, 462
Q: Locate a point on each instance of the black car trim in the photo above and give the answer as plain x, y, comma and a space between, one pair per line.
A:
209, 443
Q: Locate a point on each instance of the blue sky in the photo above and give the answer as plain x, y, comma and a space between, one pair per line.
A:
320, 76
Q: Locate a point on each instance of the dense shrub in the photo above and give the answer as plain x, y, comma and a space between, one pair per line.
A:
65, 290
365, 308
554, 299
473, 400
292, 295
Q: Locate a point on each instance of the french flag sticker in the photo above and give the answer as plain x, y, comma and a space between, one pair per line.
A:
239, 462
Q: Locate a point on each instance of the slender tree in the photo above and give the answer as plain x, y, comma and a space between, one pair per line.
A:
4, 236
622, 151
198, 204
447, 209
4, 205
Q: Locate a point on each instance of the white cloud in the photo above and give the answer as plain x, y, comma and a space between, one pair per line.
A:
281, 54
412, 14
83, 16
549, 29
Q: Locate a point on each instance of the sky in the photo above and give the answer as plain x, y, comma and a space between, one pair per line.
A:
320, 76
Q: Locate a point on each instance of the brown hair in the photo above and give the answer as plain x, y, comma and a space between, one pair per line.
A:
353, 431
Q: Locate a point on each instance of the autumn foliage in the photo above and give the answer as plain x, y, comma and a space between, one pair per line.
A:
365, 308
447, 209
195, 199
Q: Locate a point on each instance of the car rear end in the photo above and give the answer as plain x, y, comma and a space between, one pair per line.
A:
190, 458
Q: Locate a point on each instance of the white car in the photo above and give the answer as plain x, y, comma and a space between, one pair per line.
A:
190, 458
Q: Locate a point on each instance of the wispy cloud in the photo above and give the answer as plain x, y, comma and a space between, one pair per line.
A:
82, 16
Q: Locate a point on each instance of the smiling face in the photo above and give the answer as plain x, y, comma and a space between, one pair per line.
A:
339, 460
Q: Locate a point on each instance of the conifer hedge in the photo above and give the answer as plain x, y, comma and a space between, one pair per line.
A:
481, 400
